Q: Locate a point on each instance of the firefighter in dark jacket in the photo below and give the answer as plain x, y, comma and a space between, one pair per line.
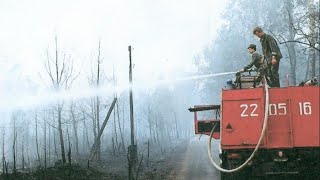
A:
272, 54
257, 61
256, 58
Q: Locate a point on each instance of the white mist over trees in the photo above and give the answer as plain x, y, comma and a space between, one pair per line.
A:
63, 131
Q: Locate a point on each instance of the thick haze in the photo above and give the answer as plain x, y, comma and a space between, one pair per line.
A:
184, 51
164, 35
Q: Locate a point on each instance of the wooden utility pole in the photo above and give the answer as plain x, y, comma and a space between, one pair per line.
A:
132, 149
131, 98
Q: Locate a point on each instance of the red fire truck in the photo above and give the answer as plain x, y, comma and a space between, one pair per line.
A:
264, 132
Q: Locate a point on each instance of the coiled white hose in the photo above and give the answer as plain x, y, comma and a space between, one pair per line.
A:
257, 146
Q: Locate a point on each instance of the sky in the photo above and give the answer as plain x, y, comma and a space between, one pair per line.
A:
164, 35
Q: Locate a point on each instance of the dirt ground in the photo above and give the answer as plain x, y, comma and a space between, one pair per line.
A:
160, 165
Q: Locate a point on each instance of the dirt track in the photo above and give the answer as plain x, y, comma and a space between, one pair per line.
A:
195, 163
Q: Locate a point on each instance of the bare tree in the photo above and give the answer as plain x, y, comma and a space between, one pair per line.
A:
37, 142
75, 129
120, 129
96, 80
60, 71
22, 154
85, 137
115, 117
289, 7
304, 26
14, 145
4, 162
312, 58
45, 144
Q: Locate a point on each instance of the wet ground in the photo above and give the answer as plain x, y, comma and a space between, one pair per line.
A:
195, 163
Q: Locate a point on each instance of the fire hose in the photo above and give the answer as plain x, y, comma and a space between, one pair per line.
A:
258, 144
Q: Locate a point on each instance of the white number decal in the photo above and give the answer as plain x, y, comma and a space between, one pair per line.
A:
245, 109
254, 110
305, 108
244, 112
277, 109
284, 107
274, 108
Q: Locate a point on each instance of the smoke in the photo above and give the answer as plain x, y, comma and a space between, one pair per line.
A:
32, 100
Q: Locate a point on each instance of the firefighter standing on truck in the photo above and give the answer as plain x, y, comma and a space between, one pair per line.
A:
272, 53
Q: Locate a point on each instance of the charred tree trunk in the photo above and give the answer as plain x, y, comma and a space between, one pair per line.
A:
94, 119
148, 155
45, 145
157, 132
85, 134
175, 120
63, 155
291, 46
149, 121
97, 105
293, 60
69, 149
37, 142
115, 131
3, 157
114, 114
312, 70
22, 154
113, 146
121, 135
14, 149
75, 131
123, 121
98, 129
49, 144
55, 145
